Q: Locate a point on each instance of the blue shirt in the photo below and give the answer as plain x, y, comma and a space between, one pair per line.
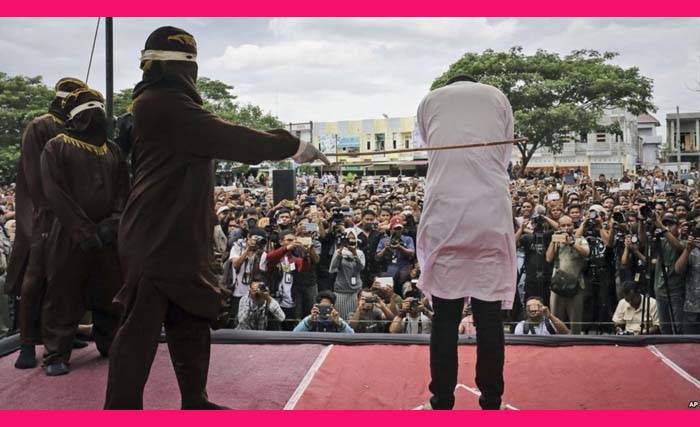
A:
304, 326
395, 259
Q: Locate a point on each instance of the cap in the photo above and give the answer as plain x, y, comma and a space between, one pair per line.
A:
396, 221
222, 210
669, 218
599, 209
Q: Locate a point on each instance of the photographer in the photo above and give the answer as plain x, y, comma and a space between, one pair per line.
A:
371, 313
538, 272
245, 259
569, 255
396, 252
324, 317
689, 262
412, 318
669, 284
248, 221
255, 308
597, 304
284, 265
307, 233
367, 241
383, 287
347, 263
628, 314
540, 320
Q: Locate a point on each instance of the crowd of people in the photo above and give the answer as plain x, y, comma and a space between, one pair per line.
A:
341, 256
594, 255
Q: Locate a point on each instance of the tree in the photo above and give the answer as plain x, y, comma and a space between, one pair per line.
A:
21, 100
552, 96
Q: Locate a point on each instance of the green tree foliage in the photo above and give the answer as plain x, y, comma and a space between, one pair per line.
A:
553, 96
24, 98
21, 99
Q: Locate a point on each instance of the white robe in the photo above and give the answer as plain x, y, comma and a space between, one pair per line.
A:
466, 243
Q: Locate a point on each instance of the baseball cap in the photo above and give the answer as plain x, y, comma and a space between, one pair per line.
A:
669, 217
396, 221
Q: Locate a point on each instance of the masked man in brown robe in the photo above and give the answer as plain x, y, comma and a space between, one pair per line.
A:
86, 183
25, 272
165, 237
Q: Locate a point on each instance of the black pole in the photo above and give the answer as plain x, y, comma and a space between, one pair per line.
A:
109, 95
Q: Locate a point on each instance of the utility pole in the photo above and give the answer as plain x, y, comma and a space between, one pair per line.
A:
109, 63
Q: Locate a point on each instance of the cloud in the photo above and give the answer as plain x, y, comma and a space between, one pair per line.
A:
396, 30
304, 53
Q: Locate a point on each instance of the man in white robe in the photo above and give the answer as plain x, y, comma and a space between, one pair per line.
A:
466, 244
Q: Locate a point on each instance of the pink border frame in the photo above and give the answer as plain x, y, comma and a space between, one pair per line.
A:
521, 8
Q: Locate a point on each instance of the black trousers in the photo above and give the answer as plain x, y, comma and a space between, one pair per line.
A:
490, 351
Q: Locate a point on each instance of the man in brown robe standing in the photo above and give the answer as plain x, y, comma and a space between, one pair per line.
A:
25, 272
86, 183
165, 236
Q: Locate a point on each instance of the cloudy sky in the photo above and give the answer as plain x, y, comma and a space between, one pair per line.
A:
325, 69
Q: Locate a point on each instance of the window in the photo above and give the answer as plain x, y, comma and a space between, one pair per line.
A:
407, 142
369, 145
379, 142
600, 136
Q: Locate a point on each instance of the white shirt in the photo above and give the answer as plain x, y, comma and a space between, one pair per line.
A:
540, 329
416, 325
625, 313
466, 244
284, 291
244, 276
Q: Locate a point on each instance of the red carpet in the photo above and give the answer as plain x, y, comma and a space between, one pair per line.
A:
240, 376
247, 376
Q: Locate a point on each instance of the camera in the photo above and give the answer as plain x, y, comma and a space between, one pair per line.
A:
251, 223
324, 311
647, 209
259, 241
371, 299
593, 214
262, 288
619, 217
414, 304
634, 239
337, 216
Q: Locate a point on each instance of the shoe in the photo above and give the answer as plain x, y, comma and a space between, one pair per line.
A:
56, 369
206, 406
427, 406
27, 357
79, 343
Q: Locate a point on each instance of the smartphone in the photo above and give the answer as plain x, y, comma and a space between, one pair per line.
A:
559, 238
313, 209
305, 241
385, 282
311, 227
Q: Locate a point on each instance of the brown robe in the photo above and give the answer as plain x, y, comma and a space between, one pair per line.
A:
29, 197
84, 185
165, 233
166, 240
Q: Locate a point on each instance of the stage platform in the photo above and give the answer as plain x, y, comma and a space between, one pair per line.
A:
336, 371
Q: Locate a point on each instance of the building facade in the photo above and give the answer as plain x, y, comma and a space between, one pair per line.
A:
682, 141
356, 144
596, 152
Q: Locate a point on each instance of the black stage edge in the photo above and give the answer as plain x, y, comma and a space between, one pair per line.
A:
227, 336
9, 345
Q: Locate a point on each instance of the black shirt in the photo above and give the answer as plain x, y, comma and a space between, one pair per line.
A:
535, 247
